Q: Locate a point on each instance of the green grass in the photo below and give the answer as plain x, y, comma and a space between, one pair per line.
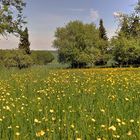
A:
85, 104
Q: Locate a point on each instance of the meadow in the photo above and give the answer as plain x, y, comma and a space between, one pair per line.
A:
79, 104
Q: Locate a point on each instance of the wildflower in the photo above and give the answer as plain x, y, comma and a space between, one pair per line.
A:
72, 126
17, 126
40, 133
39, 98
78, 139
36, 120
53, 119
126, 99
76, 132
102, 126
102, 110
131, 120
9, 127
7, 108
116, 136
129, 133
118, 120
51, 110
93, 120
113, 128
17, 133
123, 123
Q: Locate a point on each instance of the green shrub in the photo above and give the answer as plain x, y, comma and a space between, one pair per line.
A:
42, 57
17, 58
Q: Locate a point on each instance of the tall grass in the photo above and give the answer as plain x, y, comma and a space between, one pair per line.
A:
86, 104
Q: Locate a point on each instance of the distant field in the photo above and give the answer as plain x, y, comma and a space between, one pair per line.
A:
85, 104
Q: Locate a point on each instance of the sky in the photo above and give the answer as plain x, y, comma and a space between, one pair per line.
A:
44, 16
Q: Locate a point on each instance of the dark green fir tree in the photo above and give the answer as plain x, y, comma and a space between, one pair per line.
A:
24, 41
102, 31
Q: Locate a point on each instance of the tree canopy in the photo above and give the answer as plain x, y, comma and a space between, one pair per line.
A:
11, 17
126, 45
78, 44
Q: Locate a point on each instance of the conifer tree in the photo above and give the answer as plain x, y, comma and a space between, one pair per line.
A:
125, 29
137, 8
24, 41
102, 31
135, 27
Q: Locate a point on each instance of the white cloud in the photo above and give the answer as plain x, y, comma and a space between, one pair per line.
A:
118, 14
94, 15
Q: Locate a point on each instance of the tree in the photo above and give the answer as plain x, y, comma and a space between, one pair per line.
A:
17, 58
75, 42
124, 29
11, 17
137, 8
135, 26
103, 44
42, 57
126, 51
102, 31
24, 41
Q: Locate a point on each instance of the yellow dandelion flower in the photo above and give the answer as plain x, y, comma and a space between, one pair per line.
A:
78, 139
129, 133
17, 133
118, 120
72, 126
102, 126
102, 110
131, 120
51, 110
113, 128
40, 133
93, 120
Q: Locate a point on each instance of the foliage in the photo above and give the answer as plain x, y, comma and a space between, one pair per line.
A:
42, 57
87, 104
11, 17
126, 45
15, 58
102, 31
126, 51
135, 26
24, 41
76, 43
129, 26
137, 8
19, 58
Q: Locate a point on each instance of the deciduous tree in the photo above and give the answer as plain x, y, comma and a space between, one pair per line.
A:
11, 16
75, 42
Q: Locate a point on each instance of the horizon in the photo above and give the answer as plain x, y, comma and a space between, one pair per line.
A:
44, 17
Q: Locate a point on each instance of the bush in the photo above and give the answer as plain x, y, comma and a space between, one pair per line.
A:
42, 57
17, 58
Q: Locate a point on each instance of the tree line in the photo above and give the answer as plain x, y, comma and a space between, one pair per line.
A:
78, 44
12, 21
85, 45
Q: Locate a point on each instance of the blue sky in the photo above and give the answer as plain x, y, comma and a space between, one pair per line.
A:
44, 16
